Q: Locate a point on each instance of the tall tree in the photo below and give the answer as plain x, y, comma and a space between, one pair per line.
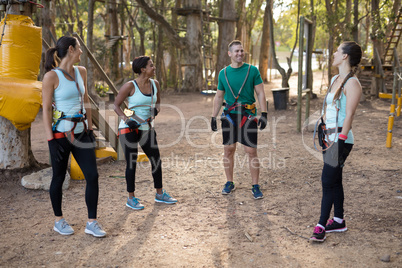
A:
355, 28
331, 7
252, 14
90, 40
241, 12
190, 45
265, 47
245, 24
47, 18
173, 68
227, 25
113, 39
160, 71
377, 35
285, 74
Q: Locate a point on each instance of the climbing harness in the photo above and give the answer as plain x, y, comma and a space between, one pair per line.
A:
130, 112
238, 106
80, 117
321, 129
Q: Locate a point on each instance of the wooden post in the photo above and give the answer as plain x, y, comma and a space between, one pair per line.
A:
300, 74
379, 73
398, 75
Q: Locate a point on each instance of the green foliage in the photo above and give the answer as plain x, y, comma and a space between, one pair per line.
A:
284, 28
101, 89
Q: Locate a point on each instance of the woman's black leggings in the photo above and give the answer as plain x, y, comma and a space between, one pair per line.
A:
147, 140
83, 151
332, 188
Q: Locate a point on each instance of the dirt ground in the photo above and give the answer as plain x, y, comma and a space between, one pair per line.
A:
206, 228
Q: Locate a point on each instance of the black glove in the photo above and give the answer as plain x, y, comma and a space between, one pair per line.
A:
132, 124
56, 150
91, 135
262, 122
213, 124
341, 150
154, 112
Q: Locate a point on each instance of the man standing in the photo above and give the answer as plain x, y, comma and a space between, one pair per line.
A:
236, 86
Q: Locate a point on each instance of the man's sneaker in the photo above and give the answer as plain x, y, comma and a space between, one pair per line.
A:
63, 228
257, 192
165, 198
334, 226
94, 229
318, 234
134, 203
229, 187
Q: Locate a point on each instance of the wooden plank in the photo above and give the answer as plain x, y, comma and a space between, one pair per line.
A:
103, 125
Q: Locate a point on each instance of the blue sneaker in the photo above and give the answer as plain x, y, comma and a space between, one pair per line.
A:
134, 203
62, 227
95, 229
165, 198
229, 187
257, 192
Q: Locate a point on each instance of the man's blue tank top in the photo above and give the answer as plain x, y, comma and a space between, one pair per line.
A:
331, 113
138, 98
68, 101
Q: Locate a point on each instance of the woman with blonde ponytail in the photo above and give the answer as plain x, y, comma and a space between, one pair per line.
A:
339, 109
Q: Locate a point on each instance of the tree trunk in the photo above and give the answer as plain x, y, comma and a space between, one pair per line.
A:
90, 66
252, 12
114, 58
355, 29
368, 23
191, 45
47, 18
227, 11
15, 147
332, 33
241, 12
192, 54
69, 10
376, 27
160, 70
132, 23
285, 78
173, 68
84, 60
264, 52
346, 36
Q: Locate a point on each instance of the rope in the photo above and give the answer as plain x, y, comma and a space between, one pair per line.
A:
34, 3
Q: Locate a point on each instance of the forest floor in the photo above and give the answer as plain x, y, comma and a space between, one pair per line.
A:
206, 228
